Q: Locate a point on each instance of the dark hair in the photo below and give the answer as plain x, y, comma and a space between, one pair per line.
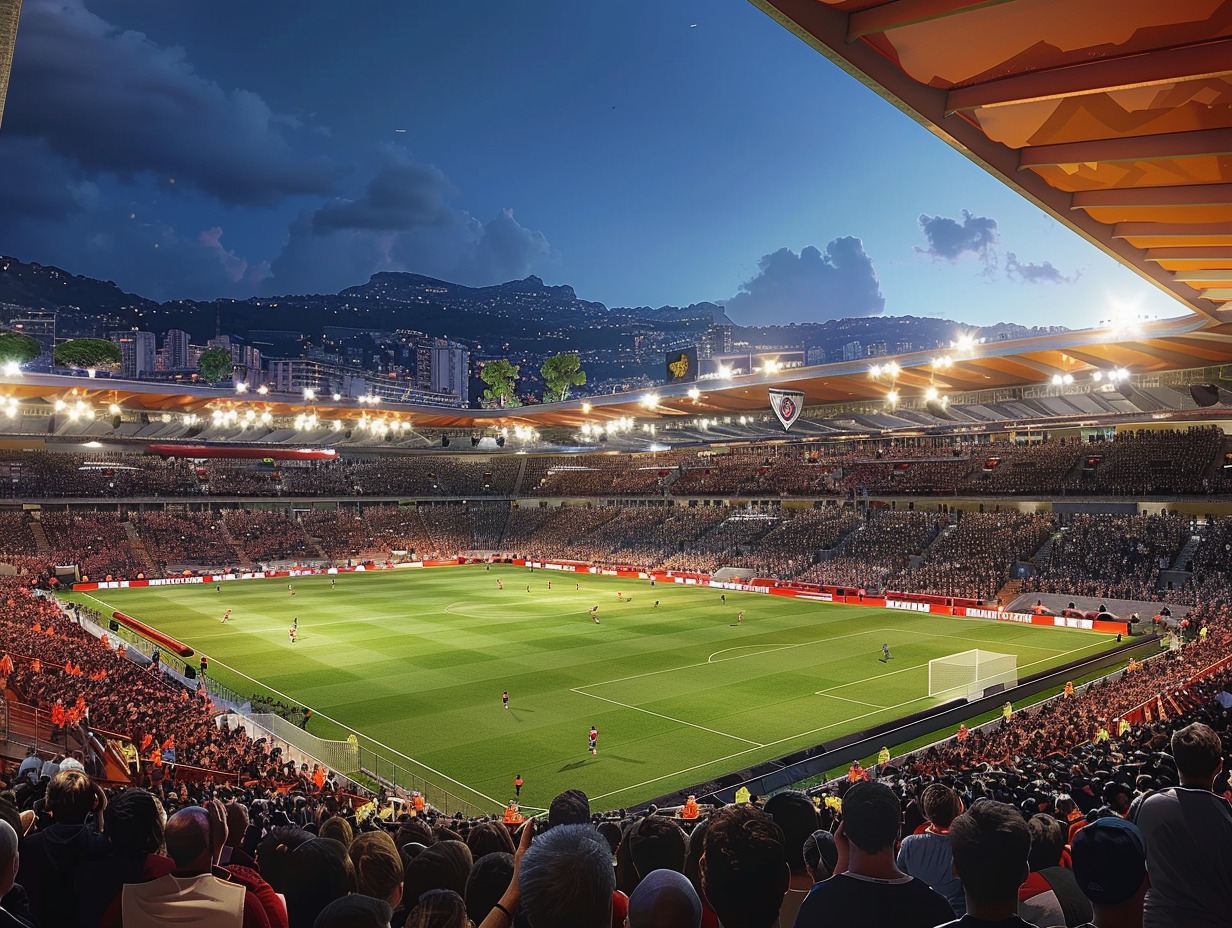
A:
795, 813
941, 804
566, 878
70, 797
1047, 842
133, 824
489, 878
438, 908
445, 865
489, 838
274, 853
338, 828
655, 843
1196, 749
990, 842
872, 816
319, 871
744, 867
414, 831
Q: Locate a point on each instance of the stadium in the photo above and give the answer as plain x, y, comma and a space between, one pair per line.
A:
1000, 569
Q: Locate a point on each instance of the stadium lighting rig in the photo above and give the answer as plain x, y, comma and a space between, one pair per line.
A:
1062, 380
241, 387
892, 398
694, 394
889, 370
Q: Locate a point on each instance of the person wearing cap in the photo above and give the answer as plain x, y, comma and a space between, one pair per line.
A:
927, 855
31, 766
1109, 866
1188, 833
868, 888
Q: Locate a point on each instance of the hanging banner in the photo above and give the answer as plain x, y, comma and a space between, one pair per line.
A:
787, 405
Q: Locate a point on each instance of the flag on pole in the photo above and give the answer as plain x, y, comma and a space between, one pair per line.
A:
787, 405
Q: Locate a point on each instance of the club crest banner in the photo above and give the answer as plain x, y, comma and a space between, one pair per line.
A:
787, 405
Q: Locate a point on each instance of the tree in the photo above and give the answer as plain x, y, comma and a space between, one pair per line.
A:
560, 372
214, 364
87, 352
17, 347
501, 378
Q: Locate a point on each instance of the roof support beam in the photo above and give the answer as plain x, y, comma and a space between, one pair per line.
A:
1201, 277
1134, 148
1147, 197
1198, 255
1212, 230
1212, 59
906, 13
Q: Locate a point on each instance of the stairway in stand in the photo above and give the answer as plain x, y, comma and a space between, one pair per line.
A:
140, 553
1009, 591
244, 560
41, 545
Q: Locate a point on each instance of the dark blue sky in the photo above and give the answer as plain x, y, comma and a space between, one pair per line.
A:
646, 152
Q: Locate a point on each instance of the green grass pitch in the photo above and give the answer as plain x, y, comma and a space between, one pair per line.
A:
416, 660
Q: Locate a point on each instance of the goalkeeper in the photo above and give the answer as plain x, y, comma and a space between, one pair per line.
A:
885, 651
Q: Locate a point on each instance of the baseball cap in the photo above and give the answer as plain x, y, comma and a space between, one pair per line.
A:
1109, 860
571, 807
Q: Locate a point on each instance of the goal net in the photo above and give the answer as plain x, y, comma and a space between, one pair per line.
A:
970, 673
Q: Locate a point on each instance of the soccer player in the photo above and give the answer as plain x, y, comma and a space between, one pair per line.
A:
620, 597
549, 584
226, 615
505, 698
499, 585
723, 598
594, 614
333, 582
291, 587
295, 623
885, 651
291, 633
740, 618
594, 740
528, 588
577, 586
217, 587
656, 605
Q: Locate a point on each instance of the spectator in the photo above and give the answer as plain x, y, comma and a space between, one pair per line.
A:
665, 899
927, 854
192, 894
820, 855
867, 886
134, 830
354, 911
990, 843
10, 860
1050, 896
488, 881
438, 908
651, 842
795, 813
566, 879
378, 867
1188, 831
1109, 859
744, 867
51, 857
318, 872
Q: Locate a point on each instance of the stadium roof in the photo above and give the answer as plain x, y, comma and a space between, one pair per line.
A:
10, 12
1113, 116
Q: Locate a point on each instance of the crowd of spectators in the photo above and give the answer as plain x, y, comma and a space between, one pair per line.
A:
178, 537
883, 545
95, 541
269, 535
1112, 557
975, 557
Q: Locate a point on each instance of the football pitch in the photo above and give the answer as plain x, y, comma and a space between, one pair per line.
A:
415, 662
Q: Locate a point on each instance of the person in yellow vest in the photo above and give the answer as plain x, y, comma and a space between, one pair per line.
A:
1122, 727
1007, 712
1202, 632
883, 758
690, 809
743, 795
1101, 734
1069, 689
131, 757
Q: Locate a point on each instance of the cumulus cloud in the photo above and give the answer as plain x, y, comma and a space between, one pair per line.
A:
403, 219
1044, 273
950, 239
810, 286
111, 101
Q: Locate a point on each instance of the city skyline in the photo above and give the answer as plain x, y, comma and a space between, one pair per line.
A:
655, 154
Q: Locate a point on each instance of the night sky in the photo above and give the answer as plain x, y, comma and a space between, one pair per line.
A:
647, 152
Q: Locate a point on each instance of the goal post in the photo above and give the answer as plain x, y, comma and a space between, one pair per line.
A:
971, 673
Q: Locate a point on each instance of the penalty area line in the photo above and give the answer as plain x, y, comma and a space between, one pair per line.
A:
580, 691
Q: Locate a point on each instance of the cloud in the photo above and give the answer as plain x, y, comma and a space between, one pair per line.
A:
810, 287
1036, 273
403, 219
111, 102
950, 239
